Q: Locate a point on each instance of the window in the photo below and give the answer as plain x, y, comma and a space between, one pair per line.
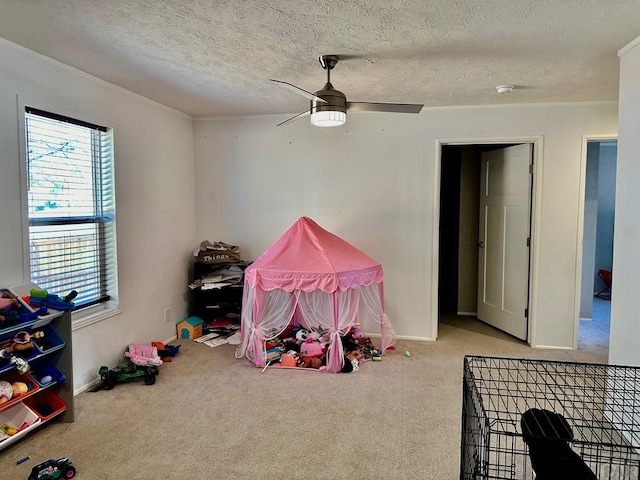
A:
71, 209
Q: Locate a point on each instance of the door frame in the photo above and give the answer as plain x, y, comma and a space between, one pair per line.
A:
579, 247
536, 204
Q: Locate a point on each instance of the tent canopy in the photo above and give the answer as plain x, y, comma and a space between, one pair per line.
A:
307, 258
313, 278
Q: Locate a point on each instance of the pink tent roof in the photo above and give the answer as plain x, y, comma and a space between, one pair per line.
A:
307, 257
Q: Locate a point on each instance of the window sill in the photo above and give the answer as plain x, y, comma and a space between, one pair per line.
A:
85, 318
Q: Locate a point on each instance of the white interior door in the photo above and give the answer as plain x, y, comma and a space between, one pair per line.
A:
503, 247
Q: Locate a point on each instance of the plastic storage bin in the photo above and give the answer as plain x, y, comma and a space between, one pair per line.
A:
20, 417
41, 369
7, 342
51, 341
46, 405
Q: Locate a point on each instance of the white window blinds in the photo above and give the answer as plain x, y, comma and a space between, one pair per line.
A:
70, 206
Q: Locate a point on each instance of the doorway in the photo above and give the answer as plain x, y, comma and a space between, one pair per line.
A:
597, 242
460, 251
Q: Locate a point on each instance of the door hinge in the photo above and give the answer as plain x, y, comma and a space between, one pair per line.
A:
528, 241
526, 313
531, 168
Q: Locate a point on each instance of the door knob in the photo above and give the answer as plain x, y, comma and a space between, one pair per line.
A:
481, 244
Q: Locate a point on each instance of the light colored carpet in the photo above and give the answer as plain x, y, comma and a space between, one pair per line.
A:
210, 416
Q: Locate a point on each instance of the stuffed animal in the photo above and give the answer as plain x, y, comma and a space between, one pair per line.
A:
301, 335
309, 362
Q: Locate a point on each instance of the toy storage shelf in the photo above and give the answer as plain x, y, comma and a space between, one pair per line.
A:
48, 399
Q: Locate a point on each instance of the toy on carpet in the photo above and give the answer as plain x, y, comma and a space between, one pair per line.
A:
143, 362
166, 352
547, 434
53, 469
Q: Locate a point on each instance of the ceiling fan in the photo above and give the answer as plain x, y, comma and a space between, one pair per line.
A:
328, 106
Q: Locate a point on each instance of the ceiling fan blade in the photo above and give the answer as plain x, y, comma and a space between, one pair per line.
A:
306, 112
384, 107
299, 91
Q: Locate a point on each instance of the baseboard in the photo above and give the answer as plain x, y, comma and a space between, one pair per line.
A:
420, 339
175, 337
87, 387
467, 314
549, 347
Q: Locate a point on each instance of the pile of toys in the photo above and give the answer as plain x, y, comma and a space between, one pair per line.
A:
307, 348
142, 362
42, 298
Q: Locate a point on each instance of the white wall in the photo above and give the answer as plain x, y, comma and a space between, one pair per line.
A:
154, 195
625, 303
372, 182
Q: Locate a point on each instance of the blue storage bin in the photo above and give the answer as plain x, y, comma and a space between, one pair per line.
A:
50, 342
7, 342
42, 369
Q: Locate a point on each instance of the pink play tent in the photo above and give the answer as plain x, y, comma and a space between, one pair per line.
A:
312, 278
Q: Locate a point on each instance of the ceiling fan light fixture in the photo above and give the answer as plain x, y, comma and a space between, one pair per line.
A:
328, 118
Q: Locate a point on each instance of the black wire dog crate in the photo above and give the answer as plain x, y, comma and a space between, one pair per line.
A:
534, 419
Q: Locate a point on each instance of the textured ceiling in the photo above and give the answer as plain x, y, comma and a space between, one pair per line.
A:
211, 58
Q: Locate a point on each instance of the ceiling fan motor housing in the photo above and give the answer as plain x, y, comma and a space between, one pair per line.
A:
336, 100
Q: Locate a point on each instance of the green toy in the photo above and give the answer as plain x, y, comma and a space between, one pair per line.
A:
126, 372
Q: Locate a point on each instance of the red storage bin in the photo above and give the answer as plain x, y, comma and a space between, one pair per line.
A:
46, 404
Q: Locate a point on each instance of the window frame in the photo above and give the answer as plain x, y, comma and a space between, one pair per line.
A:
92, 313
